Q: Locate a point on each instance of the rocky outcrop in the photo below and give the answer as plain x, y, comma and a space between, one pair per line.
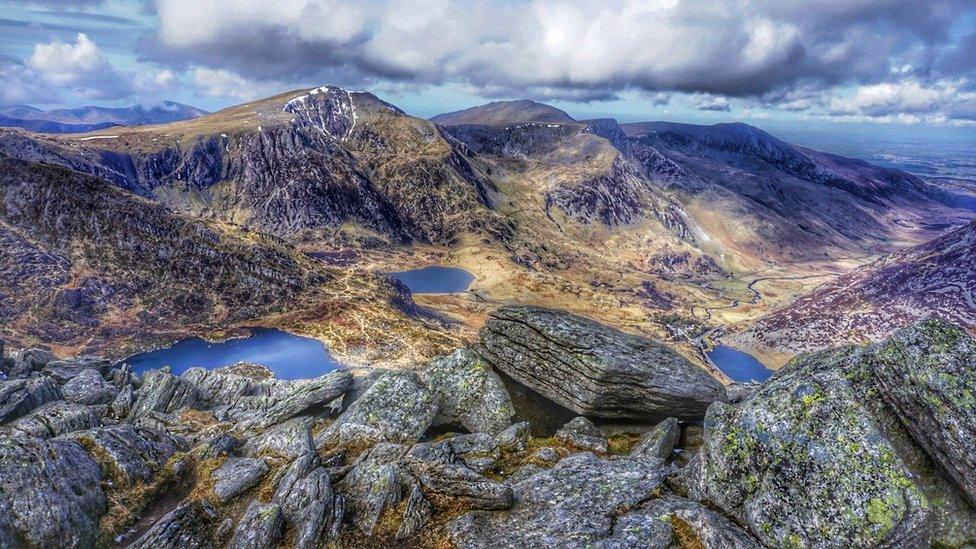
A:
57, 418
659, 441
237, 475
286, 400
595, 370
89, 387
189, 526
66, 369
20, 396
164, 392
581, 433
259, 528
128, 454
469, 393
397, 405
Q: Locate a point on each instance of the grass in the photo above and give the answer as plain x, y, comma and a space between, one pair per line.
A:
685, 535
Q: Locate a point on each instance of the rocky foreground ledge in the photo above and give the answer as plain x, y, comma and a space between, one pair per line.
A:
853, 447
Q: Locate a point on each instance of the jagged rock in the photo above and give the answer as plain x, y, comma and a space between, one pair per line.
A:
515, 438
673, 521
164, 392
236, 476
740, 391
801, 462
581, 433
222, 386
659, 441
122, 405
308, 502
353, 436
287, 400
122, 377
56, 418
50, 493
570, 505
25, 361
190, 526
926, 374
478, 451
259, 528
373, 485
595, 370
89, 387
221, 445
134, 453
19, 396
63, 370
397, 404
415, 515
547, 455
469, 393
289, 439
441, 471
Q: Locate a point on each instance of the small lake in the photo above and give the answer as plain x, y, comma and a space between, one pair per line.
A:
288, 355
435, 280
738, 365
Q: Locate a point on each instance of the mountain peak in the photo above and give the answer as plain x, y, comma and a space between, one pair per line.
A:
496, 113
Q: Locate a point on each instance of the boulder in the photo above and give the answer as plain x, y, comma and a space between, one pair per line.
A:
128, 453
659, 442
63, 370
50, 494
581, 433
19, 396
190, 526
398, 405
469, 393
163, 392
514, 438
374, 485
574, 504
675, 522
56, 418
122, 405
289, 439
89, 387
236, 476
285, 400
259, 528
595, 370
25, 361
221, 445
308, 502
447, 476
223, 386
926, 374
801, 462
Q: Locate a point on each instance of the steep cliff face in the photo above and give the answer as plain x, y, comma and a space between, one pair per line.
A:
298, 165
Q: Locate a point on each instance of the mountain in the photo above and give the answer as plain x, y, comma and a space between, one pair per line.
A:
937, 278
499, 113
86, 265
86, 119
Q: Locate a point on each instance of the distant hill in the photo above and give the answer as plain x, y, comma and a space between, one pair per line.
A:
505, 112
91, 118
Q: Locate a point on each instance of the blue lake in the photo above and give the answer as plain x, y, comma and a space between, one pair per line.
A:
288, 355
435, 280
738, 365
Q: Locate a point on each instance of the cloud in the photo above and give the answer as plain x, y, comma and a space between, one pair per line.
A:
222, 83
22, 85
712, 103
80, 66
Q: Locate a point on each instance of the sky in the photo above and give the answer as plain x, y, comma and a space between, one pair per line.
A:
792, 65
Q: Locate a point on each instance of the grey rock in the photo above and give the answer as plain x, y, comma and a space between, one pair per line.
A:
289, 439
374, 485
514, 438
523, 473
191, 526
89, 387
122, 405
570, 505
595, 370
50, 493
786, 460
672, 521
135, 453
926, 374
308, 502
122, 376
397, 404
469, 393
740, 391
286, 400
19, 396
236, 476
63, 370
416, 514
56, 418
221, 445
25, 361
581, 433
441, 470
659, 442
221, 386
164, 392
259, 528
547, 455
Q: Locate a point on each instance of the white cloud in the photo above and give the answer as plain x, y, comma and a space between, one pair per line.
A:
221, 83
80, 66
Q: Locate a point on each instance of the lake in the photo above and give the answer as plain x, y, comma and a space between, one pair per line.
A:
288, 355
738, 365
435, 280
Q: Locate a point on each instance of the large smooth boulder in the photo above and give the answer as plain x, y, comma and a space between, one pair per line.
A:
574, 504
50, 494
595, 370
397, 405
469, 393
801, 462
89, 387
19, 396
237, 475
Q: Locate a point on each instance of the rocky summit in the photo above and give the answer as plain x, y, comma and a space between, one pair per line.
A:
851, 447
